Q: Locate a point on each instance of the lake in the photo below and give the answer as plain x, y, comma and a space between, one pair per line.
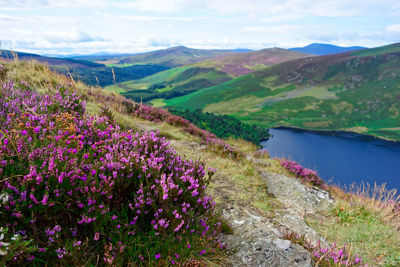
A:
339, 158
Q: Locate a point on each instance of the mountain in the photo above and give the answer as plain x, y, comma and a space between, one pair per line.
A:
354, 91
324, 49
245, 63
183, 80
170, 57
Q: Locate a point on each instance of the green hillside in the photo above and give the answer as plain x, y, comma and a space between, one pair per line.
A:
356, 91
180, 81
171, 83
245, 63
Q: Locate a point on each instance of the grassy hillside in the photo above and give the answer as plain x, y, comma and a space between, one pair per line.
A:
356, 91
324, 49
89, 72
170, 83
170, 57
245, 63
187, 79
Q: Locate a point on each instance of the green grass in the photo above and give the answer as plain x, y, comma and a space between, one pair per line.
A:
377, 51
164, 75
119, 65
114, 89
358, 227
158, 102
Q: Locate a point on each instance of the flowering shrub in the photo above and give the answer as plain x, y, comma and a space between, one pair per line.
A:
76, 190
306, 175
159, 115
327, 256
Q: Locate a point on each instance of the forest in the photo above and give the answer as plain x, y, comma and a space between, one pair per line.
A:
224, 126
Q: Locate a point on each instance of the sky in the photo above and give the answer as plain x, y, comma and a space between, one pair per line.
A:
119, 26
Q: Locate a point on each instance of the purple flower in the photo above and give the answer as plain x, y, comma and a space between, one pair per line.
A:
96, 236
157, 256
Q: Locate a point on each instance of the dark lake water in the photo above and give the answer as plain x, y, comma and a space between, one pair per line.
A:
339, 158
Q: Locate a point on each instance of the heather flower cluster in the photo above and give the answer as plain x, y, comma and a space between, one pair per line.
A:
327, 256
160, 115
304, 174
73, 186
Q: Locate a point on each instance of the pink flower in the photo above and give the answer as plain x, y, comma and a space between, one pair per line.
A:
96, 236
45, 198
157, 256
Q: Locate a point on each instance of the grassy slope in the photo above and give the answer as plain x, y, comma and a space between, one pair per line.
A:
171, 83
245, 63
203, 74
357, 91
238, 181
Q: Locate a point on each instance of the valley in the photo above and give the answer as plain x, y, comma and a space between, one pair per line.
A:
353, 91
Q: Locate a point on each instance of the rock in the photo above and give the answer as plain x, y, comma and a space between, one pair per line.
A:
298, 201
282, 244
296, 196
257, 242
267, 251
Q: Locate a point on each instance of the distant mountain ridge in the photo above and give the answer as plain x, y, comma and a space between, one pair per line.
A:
170, 57
324, 49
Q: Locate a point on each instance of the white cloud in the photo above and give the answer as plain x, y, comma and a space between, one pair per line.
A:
290, 9
160, 6
393, 28
6, 18
42, 4
73, 36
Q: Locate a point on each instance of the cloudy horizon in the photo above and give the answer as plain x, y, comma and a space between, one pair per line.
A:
76, 27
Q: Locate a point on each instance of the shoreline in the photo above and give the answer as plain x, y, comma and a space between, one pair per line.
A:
336, 132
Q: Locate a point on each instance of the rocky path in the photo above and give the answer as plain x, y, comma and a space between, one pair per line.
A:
258, 241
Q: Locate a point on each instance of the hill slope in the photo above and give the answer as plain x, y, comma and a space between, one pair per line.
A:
356, 91
245, 63
183, 80
324, 49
